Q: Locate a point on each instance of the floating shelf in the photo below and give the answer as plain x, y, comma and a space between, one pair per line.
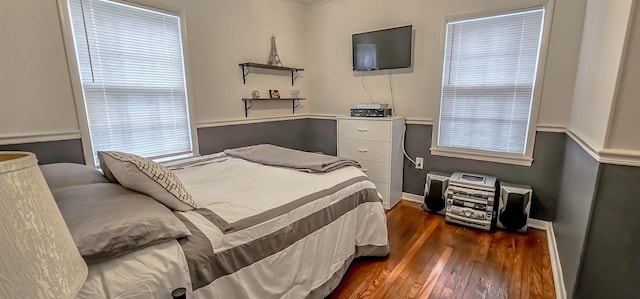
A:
246, 69
248, 103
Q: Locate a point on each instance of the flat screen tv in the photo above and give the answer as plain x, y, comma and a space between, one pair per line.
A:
382, 49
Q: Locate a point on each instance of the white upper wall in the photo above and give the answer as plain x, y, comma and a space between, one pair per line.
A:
603, 41
34, 80
335, 88
625, 124
34, 77
222, 34
37, 96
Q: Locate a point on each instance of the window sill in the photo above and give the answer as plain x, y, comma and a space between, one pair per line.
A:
482, 156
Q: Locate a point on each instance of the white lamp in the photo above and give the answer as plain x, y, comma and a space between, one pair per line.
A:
38, 258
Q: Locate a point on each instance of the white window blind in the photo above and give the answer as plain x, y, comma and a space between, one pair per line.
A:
132, 72
488, 80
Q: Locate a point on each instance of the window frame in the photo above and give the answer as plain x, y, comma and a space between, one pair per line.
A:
76, 81
527, 158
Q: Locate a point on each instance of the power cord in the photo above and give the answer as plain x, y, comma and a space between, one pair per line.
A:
364, 87
404, 132
393, 106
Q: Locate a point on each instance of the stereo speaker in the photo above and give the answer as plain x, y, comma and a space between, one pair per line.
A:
435, 190
515, 204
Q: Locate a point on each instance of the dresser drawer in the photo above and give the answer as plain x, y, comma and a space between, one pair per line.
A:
376, 171
364, 129
364, 150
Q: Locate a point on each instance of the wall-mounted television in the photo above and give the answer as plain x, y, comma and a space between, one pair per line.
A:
382, 49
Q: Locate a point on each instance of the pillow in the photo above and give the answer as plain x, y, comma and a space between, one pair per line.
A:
70, 174
107, 220
148, 177
106, 171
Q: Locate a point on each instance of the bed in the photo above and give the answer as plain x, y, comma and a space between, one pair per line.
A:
258, 231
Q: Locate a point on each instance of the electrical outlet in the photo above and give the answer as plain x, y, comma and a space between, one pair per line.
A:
419, 162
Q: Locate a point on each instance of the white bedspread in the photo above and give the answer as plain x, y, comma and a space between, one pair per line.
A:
254, 204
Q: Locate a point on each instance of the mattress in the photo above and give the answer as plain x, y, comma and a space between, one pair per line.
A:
259, 232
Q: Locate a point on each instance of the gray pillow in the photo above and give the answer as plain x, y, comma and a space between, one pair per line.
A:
70, 174
148, 177
107, 220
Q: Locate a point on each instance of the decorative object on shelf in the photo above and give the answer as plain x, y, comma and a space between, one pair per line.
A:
39, 256
255, 94
274, 59
295, 93
274, 94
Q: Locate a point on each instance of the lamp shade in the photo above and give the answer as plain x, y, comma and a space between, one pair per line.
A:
38, 258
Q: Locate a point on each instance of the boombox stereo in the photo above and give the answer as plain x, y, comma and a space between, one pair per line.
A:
470, 200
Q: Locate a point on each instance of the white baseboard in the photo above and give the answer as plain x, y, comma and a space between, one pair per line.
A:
539, 224
556, 267
412, 197
547, 226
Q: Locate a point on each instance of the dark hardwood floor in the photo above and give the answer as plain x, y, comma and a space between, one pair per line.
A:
432, 259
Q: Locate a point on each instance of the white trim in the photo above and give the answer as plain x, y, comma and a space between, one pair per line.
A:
38, 137
551, 128
419, 121
538, 224
324, 116
231, 122
584, 144
556, 266
527, 159
480, 156
412, 197
186, 64
620, 157
76, 82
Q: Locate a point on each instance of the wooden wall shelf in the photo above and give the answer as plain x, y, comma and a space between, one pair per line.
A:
248, 103
246, 69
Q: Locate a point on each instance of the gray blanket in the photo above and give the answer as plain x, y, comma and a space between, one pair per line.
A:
272, 155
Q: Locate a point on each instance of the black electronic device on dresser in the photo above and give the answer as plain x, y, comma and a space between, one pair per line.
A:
435, 189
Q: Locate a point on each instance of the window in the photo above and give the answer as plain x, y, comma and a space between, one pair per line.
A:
488, 83
132, 73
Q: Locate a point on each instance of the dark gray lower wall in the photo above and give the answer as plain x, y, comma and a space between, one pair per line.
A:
286, 133
322, 136
611, 262
51, 151
571, 222
542, 175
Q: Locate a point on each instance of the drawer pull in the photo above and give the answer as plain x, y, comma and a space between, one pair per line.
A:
363, 129
363, 150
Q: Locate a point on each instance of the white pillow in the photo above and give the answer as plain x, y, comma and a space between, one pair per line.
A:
148, 177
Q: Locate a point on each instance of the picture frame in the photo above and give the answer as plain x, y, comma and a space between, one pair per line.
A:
274, 94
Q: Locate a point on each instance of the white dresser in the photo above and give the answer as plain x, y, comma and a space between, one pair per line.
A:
376, 143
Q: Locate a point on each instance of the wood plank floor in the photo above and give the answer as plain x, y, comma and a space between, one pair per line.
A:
432, 259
